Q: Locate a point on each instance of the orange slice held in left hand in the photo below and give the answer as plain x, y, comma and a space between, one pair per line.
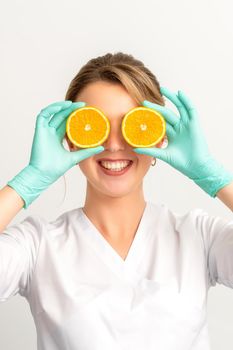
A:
141, 127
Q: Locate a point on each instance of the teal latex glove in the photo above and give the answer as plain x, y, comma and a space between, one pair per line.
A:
187, 150
49, 159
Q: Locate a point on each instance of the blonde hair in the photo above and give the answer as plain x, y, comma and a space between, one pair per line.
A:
121, 68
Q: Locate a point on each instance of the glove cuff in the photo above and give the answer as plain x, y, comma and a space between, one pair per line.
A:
29, 184
213, 177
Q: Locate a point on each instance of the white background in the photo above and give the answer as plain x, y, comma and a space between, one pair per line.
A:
187, 44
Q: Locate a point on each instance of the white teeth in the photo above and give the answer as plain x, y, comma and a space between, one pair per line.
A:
115, 165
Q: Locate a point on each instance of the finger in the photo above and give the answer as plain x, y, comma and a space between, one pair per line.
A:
48, 111
60, 103
61, 129
177, 102
58, 118
168, 114
45, 114
153, 152
170, 132
192, 112
82, 154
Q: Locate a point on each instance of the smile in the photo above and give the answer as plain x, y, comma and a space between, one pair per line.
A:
111, 169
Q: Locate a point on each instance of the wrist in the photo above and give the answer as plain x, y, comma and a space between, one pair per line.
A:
212, 176
29, 184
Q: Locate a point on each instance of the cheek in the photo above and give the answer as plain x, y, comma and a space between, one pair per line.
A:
88, 167
84, 165
144, 161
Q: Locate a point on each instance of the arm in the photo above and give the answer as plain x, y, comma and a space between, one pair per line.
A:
42, 171
19, 249
10, 204
217, 234
226, 195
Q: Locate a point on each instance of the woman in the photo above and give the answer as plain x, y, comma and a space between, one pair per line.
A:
120, 272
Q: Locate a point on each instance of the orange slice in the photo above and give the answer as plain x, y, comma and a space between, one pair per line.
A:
87, 127
143, 127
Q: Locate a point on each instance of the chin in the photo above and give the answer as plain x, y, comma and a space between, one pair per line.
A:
113, 190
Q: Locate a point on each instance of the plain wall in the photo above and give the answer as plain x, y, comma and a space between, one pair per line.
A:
188, 46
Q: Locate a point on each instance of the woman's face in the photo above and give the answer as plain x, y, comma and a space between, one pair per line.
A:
115, 102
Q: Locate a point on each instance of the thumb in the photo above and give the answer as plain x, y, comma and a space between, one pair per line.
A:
153, 152
82, 154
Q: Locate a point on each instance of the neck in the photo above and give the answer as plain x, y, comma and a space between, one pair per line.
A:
117, 218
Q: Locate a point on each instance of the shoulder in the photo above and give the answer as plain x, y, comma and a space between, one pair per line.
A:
192, 217
196, 220
63, 224
36, 226
30, 226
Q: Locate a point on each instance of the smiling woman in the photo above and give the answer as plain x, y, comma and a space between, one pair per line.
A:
131, 273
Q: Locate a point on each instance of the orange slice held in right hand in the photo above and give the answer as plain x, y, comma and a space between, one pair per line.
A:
87, 127
141, 127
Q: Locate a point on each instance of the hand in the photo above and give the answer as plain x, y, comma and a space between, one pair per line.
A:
187, 150
49, 159
48, 155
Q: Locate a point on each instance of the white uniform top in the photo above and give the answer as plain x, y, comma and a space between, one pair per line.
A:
84, 296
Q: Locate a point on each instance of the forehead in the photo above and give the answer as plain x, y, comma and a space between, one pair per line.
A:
112, 98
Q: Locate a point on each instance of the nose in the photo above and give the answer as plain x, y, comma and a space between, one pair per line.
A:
115, 140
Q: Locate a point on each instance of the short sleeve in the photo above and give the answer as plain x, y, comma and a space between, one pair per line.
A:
19, 246
217, 234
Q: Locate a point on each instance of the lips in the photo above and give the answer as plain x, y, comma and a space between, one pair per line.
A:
115, 173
